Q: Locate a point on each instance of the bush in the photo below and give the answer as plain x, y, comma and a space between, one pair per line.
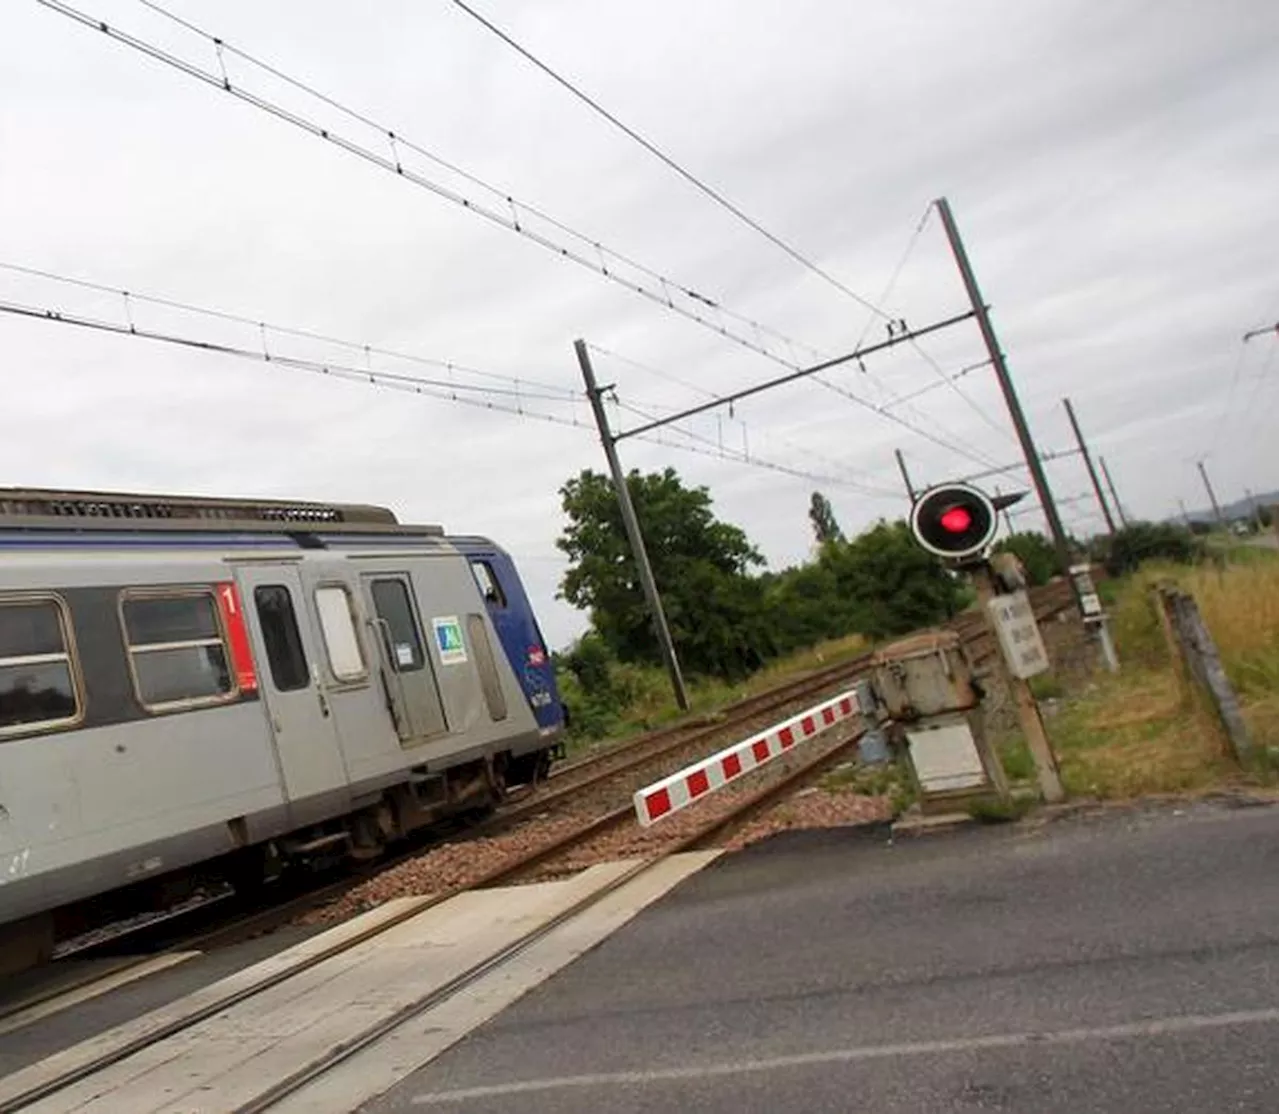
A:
1146, 541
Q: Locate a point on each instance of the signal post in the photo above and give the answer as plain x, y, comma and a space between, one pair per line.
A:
957, 522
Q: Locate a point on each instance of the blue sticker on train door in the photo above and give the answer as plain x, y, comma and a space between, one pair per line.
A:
449, 640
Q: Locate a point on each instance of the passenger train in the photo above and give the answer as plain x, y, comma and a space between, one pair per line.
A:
193, 686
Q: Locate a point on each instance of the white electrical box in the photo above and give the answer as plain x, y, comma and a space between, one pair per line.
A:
945, 757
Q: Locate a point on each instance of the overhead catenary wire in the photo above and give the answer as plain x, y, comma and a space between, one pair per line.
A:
929, 387
918, 348
1264, 377
452, 391
836, 388
1221, 423
548, 390
520, 389
697, 182
712, 448
1020, 465
721, 200
732, 454
589, 252
659, 373
509, 212
503, 400
809, 372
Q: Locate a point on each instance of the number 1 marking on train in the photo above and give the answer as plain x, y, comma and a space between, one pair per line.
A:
229, 595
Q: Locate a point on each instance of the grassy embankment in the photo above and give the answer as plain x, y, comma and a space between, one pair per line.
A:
649, 703
1141, 731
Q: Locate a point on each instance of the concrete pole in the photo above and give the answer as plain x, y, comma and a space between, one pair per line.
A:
1088, 463
1217, 510
632, 526
1029, 451
906, 478
1102, 460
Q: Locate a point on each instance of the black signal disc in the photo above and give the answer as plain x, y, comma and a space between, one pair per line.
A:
953, 520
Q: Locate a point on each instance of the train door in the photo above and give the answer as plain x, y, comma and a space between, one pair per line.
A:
407, 673
512, 615
287, 651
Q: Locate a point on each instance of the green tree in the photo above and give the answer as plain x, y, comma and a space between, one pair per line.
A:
804, 606
1036, 553
825, 527
888, 584
714, 608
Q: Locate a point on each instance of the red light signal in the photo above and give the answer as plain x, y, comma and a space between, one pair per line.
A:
954, 521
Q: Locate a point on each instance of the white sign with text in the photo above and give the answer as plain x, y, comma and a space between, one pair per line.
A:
1019, 637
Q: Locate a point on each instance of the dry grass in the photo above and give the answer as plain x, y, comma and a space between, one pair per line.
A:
1141, 731
652, 704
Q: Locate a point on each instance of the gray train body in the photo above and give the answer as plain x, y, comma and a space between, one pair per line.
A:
178, 689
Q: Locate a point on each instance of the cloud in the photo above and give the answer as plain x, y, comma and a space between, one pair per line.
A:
1113, 170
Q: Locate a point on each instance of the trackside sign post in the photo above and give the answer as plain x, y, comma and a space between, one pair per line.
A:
1016, 629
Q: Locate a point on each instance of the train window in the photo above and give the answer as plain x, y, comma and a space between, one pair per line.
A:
279, 625
38, 688
338, 626
176, 650
488, 583
391, 602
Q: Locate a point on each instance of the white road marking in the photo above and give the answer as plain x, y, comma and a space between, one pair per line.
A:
1154, 1028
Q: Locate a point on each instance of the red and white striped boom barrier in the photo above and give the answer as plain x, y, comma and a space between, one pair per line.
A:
683, 788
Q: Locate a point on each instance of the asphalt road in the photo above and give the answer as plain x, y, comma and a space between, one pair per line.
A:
1118, 962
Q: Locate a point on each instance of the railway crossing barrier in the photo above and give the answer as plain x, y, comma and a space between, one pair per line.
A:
685, 787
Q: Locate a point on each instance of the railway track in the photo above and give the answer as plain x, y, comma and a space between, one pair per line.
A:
136, 1039
614, 773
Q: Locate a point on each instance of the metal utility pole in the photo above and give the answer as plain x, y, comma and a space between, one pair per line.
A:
1088, 463
1006, 387
1217, 510
1186, 516
906, 479
632, 526
1102, 460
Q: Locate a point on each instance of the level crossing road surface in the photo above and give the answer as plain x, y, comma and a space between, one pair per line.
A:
1119, 960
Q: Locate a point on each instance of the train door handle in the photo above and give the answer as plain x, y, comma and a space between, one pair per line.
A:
397, 701
315, 680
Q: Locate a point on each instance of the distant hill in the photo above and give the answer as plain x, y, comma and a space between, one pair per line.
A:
1239, 509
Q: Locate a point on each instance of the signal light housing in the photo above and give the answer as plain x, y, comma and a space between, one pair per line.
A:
955, 521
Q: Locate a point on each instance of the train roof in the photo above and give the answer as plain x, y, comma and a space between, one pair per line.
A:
48, 509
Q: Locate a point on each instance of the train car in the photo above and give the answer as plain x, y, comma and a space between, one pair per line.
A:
191, 684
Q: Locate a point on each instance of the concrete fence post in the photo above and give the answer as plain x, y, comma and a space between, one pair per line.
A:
1198, 660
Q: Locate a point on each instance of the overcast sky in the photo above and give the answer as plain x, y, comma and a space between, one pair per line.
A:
1113, 169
